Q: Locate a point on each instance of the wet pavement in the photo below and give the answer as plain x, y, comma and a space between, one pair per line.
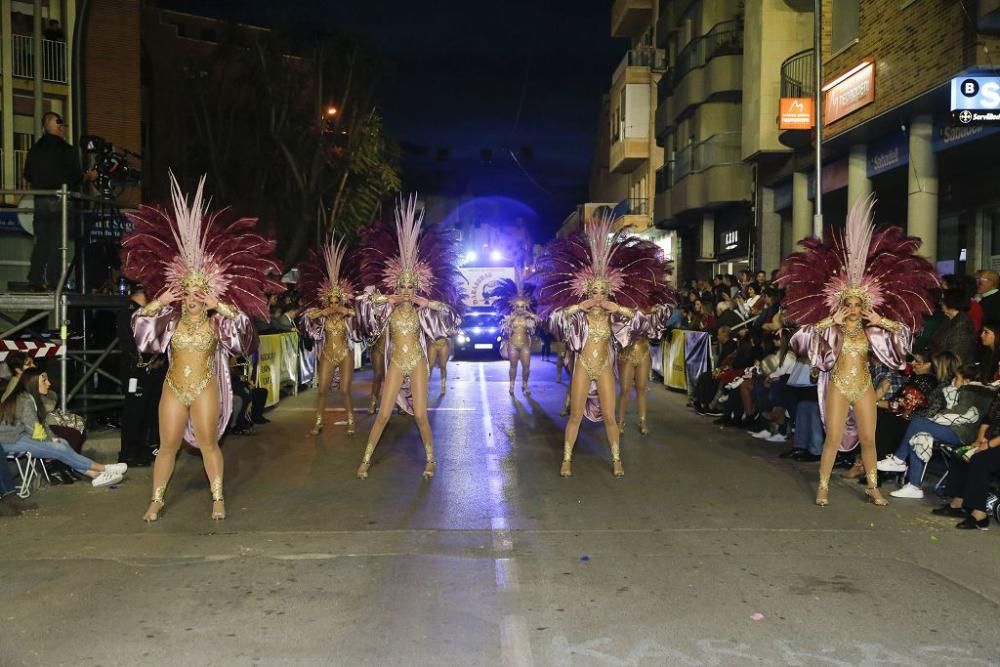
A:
708, 552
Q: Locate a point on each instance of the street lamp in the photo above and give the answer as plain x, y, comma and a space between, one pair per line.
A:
331, 111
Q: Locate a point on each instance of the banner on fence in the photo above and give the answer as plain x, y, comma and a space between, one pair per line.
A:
290, 359
307, 365
656, 356
269, 367
697, 350
673, 368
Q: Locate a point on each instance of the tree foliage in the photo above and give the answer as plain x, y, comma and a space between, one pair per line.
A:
254, 110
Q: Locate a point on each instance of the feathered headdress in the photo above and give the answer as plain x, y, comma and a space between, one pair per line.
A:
508, 295
409, 255
629, 269
328, 276
878, 266
194, 250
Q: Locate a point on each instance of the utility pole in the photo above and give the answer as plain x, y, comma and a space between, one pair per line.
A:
818, 58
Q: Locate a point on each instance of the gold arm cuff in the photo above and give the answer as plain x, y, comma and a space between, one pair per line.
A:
889, 325
436, 305
380, 298
825, 323
151, 308
227, 311
626, 312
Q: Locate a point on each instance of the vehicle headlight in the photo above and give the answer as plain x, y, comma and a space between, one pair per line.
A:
498, 339
492, 330
477, 330
462, 339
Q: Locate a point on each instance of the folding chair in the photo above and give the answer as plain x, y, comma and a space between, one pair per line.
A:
27, 470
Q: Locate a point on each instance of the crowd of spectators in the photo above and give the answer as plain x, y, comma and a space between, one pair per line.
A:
944, 397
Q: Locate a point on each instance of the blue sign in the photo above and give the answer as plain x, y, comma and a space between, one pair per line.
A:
947, 136
975, 99
9, 223
888, 153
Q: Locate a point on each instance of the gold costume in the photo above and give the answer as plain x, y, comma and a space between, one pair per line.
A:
596, 353
192, 364
850, 372
519, 336
637, 353
442, 346
335, 346
404, 329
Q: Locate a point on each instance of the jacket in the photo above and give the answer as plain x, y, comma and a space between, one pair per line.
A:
52, 162
957, 335
24, 422
970, 410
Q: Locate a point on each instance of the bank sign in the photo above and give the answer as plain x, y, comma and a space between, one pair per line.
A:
975, 100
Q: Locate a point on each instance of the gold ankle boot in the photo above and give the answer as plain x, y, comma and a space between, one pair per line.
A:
366, 461
371, 406
643, 428
350, 424
218, 501
525, 390
616, 461
823, 491
566, 470
318, 426
156, 505
874, 495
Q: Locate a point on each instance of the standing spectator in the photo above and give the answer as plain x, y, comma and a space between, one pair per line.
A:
142, 378
956, 334
988, 295
51, 162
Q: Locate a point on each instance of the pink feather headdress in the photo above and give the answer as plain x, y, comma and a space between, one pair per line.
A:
629, 269
194, 250
878, 266
410, 255
327, 276
508, 294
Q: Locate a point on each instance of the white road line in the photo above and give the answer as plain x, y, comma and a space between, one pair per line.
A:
515, 645
365, 410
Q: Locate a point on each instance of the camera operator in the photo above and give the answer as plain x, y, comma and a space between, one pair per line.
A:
51, 162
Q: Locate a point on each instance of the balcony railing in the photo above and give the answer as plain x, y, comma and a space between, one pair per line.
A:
655, 59
719, 149
724, 39
664, 177
635, 206
53, 59
19, 157
798, 75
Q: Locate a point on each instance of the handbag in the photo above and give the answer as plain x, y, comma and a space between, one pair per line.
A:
66, 419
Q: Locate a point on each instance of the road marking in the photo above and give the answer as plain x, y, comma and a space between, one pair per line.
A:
296, 409
515, 646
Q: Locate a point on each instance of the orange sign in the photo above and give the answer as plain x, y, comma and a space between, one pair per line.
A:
849, 92
796, 113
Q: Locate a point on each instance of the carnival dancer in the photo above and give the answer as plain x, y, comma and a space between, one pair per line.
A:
377, 351
512, 300
419, 272
635, 362
591, 286
866, 291
210, 276
328, 285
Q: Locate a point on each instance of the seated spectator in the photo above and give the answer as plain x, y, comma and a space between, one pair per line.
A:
953, 426
70, 427
968, 482
707, 385
727, 316
809, 434
701, 318
787, 386
956, 332
22, 430
755, 392
989, 351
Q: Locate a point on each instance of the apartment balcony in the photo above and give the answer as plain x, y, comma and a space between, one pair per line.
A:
661, 201
635, 213
630, 17
54, 67
709, 67
627, 153
798, 79
709, 174
638, 65
663, 123
19, 157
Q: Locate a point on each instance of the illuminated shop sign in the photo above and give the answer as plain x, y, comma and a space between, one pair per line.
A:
975, 100
849, 92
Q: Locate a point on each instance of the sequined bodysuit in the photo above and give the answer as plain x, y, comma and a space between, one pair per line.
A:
441, 344
637, 353
192, 363
850, 372
520, 339
335, 346
596, 353
404, 330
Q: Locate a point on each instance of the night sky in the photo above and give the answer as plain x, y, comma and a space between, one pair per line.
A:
468, 76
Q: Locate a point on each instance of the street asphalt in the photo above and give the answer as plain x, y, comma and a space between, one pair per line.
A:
708, 552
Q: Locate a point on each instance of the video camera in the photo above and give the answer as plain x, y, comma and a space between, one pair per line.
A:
113, 169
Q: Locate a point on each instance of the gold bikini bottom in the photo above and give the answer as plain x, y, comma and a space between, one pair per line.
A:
335, 354
852, 384
593, 364
189, 393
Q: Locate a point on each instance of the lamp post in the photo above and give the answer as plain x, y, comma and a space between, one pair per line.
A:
818, 58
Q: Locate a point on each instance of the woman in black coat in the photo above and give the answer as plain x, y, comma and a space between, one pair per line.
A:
956, 333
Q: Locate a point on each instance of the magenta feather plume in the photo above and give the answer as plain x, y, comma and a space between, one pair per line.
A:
333, 266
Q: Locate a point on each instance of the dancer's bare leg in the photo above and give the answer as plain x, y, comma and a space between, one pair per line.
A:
525, 370
390, 388
512, 356
865, 415
378, 373
626, 371
420, 387
443, 366
836, 420
346, 379
173, 418
579, 387
205, 420
641, 383
606, 395
323, 381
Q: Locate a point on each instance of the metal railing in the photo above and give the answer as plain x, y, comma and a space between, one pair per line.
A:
664, 177
646, 56
53, 59
719, 149
798, 75
19, 157
723, 39
635, 206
